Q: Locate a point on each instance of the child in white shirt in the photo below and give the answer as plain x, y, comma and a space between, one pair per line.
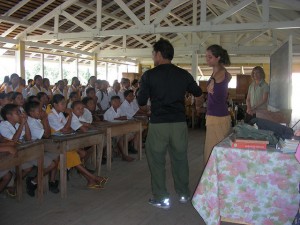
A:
39, 128
59, 123
115, 113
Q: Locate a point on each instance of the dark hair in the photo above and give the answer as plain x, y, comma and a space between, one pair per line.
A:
12, 76
6, 79
89, 90
10, 95
261, 72
3, 95
30, 106
45, 79
40, 95
134, 82
8, 109
32, 98
75, 103
85, 100
218, 51
165, 48
73, 94
57, 98
74, 79
37, 77
127, 92
115, 97
15, 95
91, 77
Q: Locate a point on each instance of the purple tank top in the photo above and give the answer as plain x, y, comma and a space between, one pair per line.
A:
217, 102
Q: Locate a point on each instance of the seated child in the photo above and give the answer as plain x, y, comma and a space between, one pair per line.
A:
6, 175
89, 104
40, 128
43, 99
115, 113
18, 100
3, 101
72, 98
90, 92
59, 123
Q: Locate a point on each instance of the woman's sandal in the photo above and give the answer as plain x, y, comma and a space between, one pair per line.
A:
11, 192
95, 186
103, 181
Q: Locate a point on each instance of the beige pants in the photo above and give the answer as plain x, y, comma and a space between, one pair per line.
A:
217, 128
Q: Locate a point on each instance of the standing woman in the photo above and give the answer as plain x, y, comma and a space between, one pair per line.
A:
258, 93
218, 120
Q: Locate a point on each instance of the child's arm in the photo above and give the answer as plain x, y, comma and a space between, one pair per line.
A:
67, 127
18, 133
27, 132
46, 126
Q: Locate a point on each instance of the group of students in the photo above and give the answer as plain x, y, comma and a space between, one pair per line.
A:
35, 112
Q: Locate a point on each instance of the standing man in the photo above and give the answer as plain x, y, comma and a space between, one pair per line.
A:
166, 85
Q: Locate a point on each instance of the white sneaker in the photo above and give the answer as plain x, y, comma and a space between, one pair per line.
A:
163, 204
184, 199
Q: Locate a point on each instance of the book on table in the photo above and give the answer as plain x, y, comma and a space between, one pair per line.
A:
248, 143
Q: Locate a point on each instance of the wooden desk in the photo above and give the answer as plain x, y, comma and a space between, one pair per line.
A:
27, 151
114, 129
62, 144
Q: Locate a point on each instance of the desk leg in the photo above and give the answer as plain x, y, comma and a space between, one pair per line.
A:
40, 178
99, 149
94, 156
19, 182
125, 144
140, 147
108, 149
63, 174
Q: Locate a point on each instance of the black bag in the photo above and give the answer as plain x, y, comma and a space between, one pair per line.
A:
279, 130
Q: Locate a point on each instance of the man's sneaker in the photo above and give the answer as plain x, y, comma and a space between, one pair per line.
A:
184, 199
53, 187
163, 204
30, 187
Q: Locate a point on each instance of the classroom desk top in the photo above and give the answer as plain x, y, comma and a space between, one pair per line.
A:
62, 144
27, 151
249, 186
118, 128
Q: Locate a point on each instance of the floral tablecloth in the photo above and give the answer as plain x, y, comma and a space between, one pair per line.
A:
253, 186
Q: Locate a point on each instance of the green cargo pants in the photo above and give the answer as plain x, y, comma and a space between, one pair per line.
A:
171, 137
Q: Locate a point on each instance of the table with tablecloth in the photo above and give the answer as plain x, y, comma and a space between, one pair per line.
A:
253, 186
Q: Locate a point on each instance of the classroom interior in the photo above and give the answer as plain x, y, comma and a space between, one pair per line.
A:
60, 39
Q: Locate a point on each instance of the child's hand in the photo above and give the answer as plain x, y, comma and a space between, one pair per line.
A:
69, 111
23, 117
43, 115
297, 133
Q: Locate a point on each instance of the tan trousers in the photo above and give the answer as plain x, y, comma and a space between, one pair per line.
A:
217, 128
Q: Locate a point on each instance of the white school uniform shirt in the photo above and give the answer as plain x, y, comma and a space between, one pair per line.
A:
130, 109
35, 90
7, 130
36, 128
111, 114
103, 99
57, 121
75, 122
113, 93
87, 116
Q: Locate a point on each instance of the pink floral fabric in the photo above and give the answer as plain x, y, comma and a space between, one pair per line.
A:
253, 186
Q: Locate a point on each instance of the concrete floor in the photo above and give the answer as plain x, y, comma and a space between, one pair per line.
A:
124, 201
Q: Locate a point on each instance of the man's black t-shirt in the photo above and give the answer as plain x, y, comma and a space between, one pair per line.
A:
166, 85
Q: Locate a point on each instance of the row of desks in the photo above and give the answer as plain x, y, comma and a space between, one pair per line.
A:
61, 144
